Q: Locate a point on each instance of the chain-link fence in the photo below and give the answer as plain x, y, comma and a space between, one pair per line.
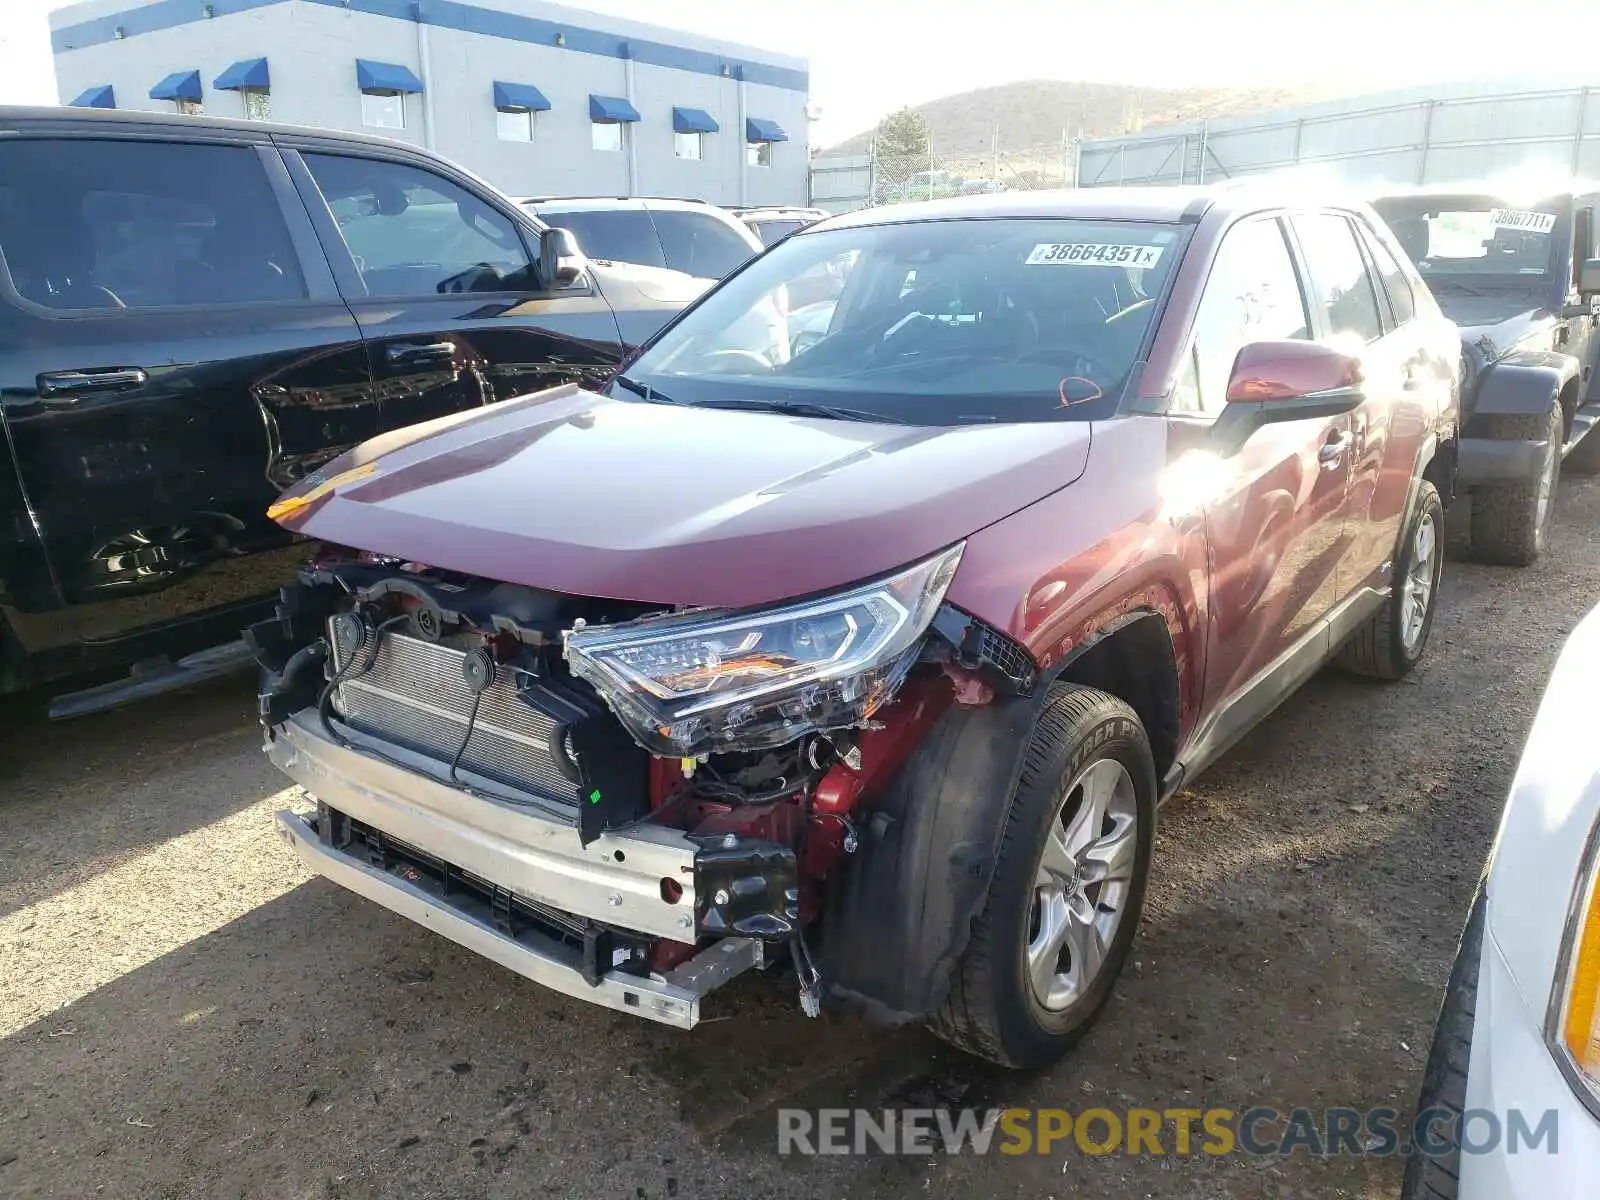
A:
844, 183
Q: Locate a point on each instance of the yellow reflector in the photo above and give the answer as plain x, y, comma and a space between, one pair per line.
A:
1583, 992
290, 505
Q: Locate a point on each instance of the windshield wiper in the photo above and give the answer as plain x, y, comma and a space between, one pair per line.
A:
805, 408
644, 391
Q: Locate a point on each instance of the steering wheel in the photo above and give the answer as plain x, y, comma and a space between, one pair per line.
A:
463, 281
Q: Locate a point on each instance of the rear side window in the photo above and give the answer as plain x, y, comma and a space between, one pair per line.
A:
414, 233
699, 244
1395, 284
623, 235
1340, 282
130, 224
771, 232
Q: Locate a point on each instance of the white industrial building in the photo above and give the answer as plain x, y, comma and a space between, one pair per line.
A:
537, 98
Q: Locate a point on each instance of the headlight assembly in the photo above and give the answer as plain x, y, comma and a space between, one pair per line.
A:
703, 682
1574, 1027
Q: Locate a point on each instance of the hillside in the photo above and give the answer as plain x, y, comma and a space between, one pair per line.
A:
1034, 113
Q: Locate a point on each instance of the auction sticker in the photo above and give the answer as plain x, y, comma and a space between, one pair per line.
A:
1517, 218
1092, 254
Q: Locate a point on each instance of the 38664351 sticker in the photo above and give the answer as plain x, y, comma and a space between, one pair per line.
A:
1092, 254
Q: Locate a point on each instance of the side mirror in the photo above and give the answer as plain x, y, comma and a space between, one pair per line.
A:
560, 259
1589, 276
1285, 381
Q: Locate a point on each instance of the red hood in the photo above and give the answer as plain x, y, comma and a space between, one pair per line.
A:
578, 493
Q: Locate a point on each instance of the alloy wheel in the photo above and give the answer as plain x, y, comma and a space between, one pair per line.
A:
1416, 589
1082, 884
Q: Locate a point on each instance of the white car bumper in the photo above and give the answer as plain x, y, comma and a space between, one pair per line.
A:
1511, 1069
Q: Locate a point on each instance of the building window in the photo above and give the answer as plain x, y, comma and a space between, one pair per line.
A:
689, 145
758, 154
514, 124
606, 135
190, 108
257, 104
383, 110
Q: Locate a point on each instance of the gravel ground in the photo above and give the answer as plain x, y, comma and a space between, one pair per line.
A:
183, 1013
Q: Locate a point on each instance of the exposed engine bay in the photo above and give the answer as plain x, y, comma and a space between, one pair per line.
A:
619, 721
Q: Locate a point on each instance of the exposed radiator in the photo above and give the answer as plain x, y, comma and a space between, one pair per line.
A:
414, 695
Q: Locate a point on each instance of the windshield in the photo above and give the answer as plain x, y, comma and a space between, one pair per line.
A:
1481, 237
933, 322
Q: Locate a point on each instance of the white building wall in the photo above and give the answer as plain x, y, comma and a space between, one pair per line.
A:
311, 50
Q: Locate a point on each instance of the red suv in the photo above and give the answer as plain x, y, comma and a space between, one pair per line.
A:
872, 653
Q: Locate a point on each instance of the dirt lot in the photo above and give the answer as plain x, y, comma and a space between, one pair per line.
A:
184, 1013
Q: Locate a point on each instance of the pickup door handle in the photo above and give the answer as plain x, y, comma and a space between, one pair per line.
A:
63, 388
1332, 450
412, 354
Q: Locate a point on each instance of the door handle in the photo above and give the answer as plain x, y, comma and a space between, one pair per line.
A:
410, 354
1332, 450
65, 388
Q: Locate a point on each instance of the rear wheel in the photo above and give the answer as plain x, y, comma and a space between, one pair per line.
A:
1511, 524
1068, 886
1393, 639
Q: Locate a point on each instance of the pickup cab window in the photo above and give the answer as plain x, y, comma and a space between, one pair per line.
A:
130, 224
414, 233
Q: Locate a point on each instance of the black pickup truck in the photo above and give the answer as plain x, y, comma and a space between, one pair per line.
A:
1522, 281
196, 313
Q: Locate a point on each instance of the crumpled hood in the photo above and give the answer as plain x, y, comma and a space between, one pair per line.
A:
1493, 326
578, 493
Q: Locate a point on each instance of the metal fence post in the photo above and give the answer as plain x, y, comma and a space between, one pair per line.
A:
1427, 140
1577, 135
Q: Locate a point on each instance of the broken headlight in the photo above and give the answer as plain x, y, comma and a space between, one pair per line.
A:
697, 683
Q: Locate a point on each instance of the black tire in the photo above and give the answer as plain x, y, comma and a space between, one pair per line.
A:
991, 1011
1585, 456
1444, 1080
1378, 649
1507, 527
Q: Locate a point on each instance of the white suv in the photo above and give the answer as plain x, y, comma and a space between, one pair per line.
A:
1518, 1041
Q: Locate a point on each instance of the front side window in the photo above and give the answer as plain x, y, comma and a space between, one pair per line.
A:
383, 110
606, 135
933, 323
1486, 238
689, 146
514, 124
1339, 277
758, 154
1252, 294
699, 244
257, 104
131, 224
618, 235
414, 233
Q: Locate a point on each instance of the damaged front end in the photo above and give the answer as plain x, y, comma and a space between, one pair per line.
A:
623, 802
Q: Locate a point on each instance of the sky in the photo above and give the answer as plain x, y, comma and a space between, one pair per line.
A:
871, 56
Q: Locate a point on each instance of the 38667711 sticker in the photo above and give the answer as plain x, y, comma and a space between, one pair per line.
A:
1525, 220
1092, 254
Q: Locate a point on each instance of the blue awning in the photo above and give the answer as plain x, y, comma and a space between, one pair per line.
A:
180, 85
693, 120
249, 73
95, 97
519, 96
756, 130
385, 77
611, 108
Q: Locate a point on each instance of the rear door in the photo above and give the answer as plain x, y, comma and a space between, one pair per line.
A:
172, 351
441, 279
1352, 305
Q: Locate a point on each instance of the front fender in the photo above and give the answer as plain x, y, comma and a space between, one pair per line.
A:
1513, 388
899, 914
